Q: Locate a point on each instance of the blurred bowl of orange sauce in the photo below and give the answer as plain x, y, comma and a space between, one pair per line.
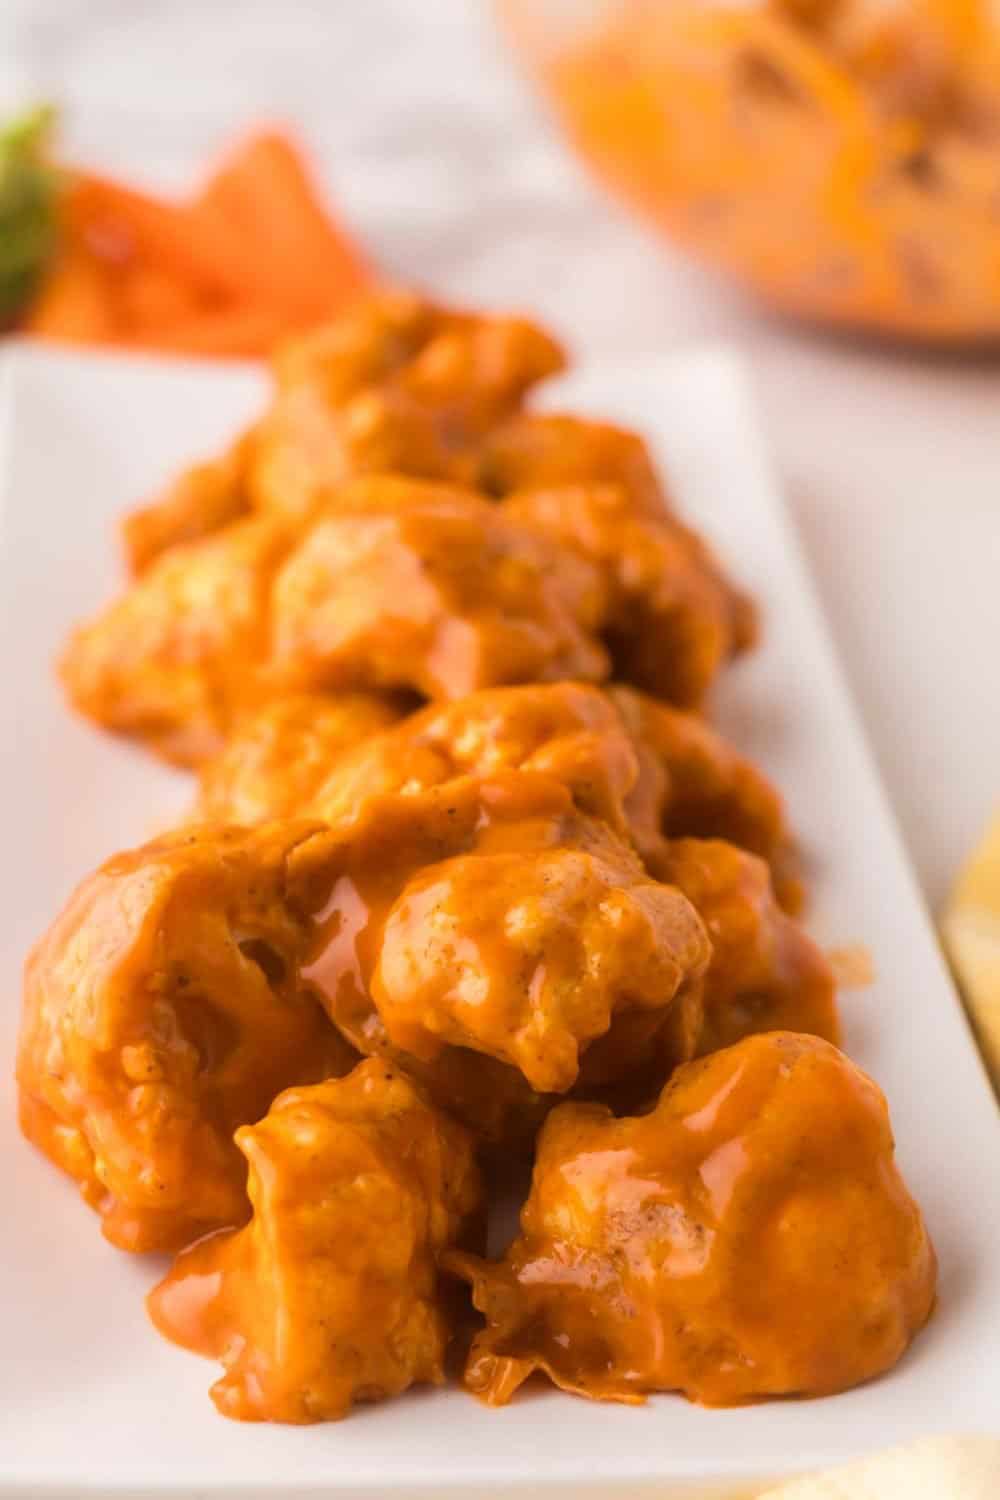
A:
840, 158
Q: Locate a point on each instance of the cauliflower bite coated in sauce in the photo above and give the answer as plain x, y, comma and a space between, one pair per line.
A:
395, 385
163, 1009
750, 1237
431, 588
650, 771
569, 731
693, 783
541, 453
331, 1294
766, 973
396, 521
491, 915
547, 451
553, 947
275, 758
495, 1100
670, 622
177, 658
407, 586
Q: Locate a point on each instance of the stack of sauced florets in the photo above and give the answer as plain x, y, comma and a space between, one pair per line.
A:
468, 879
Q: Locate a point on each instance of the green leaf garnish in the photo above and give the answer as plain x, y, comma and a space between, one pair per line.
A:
29, 190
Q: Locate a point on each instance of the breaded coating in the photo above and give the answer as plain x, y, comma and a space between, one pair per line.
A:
331, 1295
368, 343
766, 973
494, 1100
401, 585
275, 758
671, 621
396, 581
751, 1237
547, 451
693, 783
650, 771
491, 915
566, 730
544, 451
645, 770
529, 957
431, 588
396, 384
178, 657
163, 1009
409, 586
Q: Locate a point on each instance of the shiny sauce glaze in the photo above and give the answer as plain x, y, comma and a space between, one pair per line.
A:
750, 1237
330, 1296
525, 942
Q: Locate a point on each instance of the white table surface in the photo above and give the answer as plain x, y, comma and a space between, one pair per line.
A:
442, 160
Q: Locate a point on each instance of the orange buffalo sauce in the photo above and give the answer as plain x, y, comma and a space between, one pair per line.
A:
490, 915
750, 1237
330, 1295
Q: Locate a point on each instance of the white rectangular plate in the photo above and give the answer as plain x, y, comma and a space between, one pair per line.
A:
92, 1402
